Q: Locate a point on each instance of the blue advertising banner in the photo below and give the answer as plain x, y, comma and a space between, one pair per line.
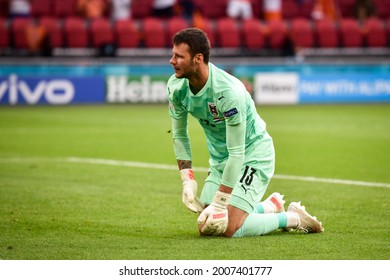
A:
120, 83
345, 88
53, 90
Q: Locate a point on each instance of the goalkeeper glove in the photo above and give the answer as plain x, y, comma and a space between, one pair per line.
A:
190, 188
215, 217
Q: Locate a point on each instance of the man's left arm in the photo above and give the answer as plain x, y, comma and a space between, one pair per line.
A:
215, 216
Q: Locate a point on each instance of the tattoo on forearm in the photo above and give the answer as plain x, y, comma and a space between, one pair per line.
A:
184, 164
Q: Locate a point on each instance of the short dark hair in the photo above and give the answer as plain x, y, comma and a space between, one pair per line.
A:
197, 41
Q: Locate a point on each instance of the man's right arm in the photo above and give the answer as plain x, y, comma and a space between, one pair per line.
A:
184, 164
182, 148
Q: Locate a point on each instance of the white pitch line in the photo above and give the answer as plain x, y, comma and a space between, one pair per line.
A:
122, 163
198, 169
333, 181
203, 169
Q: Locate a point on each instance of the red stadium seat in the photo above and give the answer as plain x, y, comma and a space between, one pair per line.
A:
374, 33
207, 26
101, 32
76, 33
41, 8
289, 9
387, 29
54, 30
277, 34
326, 34
174, 25
252, 32
64, 8
154, 35
4, 34
209, 29
141, 9
228, 33
126, 34
302, 33
350, 33
18, 32
212, 9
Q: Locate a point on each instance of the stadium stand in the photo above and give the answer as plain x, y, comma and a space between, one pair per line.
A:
289, 9
141, 9
252, 34
228, 34
142, 32
346, 8
174, 25
76, 33
297, 9
212, 9
305, 9
350, 33
41, 8
4, 34
101, 32
54, 31
382, 8
18, 32
207, 26
326, 34
374, 33
257, 8
302, 33
153, 33
387, 26
4, 8
126, 34
277, 34
63, 9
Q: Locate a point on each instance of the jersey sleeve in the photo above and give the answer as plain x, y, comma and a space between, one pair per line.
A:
179, 120
235, 139
233, 109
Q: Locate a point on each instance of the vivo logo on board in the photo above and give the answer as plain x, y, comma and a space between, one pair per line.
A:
18, 91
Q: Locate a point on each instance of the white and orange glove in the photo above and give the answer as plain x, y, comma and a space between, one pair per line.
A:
190, 188
215, 217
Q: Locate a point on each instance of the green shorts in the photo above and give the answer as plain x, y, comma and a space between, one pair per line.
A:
250, 188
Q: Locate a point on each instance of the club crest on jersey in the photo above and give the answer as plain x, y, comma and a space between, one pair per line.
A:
214, 112
213, 109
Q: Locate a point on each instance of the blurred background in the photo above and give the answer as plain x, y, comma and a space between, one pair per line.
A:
117, 51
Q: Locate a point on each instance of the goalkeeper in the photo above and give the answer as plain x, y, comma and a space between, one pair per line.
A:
241, 151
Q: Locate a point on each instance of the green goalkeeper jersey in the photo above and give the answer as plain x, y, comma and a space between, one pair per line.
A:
228, 115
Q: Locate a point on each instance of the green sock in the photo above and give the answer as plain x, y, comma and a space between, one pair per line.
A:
282, 220
259, 224
260, 208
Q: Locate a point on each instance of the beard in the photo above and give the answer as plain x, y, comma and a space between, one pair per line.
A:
187, 72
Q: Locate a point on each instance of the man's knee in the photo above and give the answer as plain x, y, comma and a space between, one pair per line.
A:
236, 219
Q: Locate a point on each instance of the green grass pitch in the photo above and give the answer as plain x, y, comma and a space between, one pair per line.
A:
55, 209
